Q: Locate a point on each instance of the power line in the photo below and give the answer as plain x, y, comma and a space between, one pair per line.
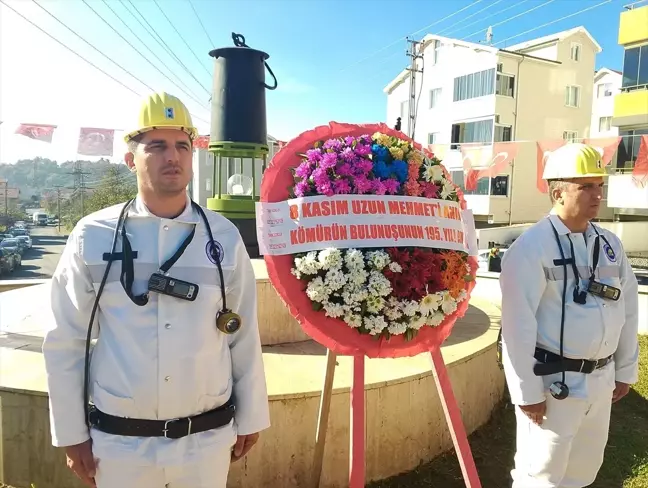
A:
180, 36
82, 57
147, 46
511, 18
211, 43
404, 38
499, 12
554, 21
73, 51
164, 45
470, 16
138, 52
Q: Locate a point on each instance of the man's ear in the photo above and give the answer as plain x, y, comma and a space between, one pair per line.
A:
130, 160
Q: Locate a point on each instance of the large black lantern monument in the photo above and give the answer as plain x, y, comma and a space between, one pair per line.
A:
239, 133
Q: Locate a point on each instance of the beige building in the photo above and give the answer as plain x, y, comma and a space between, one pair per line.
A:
607, 83
476, 93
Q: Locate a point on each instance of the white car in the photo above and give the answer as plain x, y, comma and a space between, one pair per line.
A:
27, 240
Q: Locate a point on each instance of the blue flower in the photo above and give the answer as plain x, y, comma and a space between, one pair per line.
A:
381, 170
400, 170
380, 152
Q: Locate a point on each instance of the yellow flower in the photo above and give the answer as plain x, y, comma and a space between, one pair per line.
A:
396, 152
382, 139
415, 157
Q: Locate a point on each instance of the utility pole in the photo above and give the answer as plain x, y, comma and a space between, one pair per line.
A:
58, 207
414, 53
79, 184
6, 199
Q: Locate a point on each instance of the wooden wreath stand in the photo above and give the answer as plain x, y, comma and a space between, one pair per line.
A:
357, 431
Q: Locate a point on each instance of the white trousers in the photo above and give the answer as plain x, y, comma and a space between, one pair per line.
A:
567, 449
211, 472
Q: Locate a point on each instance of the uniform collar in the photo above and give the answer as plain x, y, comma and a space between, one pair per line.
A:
188, 215
562, 229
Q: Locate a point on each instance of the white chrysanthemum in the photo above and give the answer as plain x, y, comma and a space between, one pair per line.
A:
334, 310
296, 273
397, 328
354, 320
335, 279
316, 290
358, 276
375, 324
308, 265
409, 307
448, 304
377, 259
435, 319
430, 303
432, 172
392, 313
394, 267
447, 190
354, 259
417, 322
330, 258
375, 304
379, 284
462, 296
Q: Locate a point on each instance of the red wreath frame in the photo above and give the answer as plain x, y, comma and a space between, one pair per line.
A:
332, 333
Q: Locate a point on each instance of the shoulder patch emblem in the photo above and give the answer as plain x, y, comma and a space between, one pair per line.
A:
215, 251
609, 252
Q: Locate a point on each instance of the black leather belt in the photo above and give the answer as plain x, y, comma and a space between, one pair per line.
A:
171, 429
550, 363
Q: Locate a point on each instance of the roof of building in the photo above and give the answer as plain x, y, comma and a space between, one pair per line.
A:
512, 50
558, 36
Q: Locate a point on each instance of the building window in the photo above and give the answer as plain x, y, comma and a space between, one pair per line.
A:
604, 90
499, 186
635, 67
575, 51
483, 185
404, 115
504, 85
570, 135
436, 51
629, 147
474, 85
466, 132
502, 133
433, 137
435, 96
605, 124
572, 96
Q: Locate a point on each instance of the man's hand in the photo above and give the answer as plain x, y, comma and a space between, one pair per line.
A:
621, 390
81, 461
243, 444
535, 412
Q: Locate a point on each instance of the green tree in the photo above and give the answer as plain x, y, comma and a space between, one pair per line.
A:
115, 187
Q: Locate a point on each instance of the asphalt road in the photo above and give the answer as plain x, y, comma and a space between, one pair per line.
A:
40, 261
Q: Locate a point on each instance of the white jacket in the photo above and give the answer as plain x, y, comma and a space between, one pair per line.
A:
532, 286
166, 359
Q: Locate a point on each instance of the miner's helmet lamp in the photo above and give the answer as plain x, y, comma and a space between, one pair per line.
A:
162, 111
228, 322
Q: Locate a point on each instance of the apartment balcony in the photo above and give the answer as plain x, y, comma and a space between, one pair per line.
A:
633, 26
631, 107
625, 197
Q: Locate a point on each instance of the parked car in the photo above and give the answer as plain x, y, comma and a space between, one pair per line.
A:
8, 261
14, 245
11, 251
26, 239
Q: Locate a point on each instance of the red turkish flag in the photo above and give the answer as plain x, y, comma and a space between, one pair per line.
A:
486, 161
545, 148
39, 132
201, 142
96, 142
640, 171
607, 146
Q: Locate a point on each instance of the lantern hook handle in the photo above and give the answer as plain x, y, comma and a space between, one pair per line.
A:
239, 41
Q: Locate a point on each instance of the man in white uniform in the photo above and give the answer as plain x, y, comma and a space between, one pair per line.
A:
175, 391
567, 277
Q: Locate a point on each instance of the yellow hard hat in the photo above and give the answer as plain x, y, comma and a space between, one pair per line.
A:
574, 160
163, 111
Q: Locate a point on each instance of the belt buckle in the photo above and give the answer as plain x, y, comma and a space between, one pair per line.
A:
587, 370
166, 427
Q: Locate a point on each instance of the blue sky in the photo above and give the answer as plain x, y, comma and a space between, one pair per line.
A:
332, 58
